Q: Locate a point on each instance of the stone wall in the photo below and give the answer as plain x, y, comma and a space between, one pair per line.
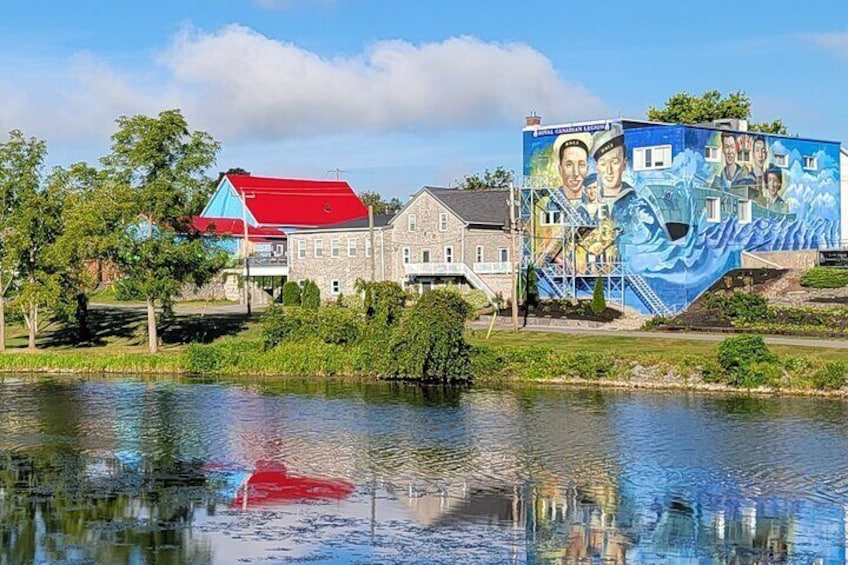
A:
786, 259
426, 235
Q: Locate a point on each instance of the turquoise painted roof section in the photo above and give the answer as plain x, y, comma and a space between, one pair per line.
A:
225, 203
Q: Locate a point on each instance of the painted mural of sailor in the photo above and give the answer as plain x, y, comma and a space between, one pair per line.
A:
610, 162
570, 152
772, 197
734, 177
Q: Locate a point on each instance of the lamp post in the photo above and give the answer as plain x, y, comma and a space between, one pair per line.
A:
243, 196
513, 258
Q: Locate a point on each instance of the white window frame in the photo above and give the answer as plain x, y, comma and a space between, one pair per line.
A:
335, 248
428, 255
301, 249
335, 287
503, 254
368, 247
351, 247
318, 247
551, 217
406, 255
479, 254
747, 207
743, 155
712, 154
641, 154
713, 219
781, 160
448, 253
443, 221
411, 223
811, 163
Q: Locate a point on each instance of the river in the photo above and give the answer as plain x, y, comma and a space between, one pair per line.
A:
174, 471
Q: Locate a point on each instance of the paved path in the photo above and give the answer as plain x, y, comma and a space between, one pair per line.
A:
685, 336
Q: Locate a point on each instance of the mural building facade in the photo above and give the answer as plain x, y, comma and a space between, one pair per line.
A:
660, 211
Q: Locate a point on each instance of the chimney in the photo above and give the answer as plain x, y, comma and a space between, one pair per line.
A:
532, 120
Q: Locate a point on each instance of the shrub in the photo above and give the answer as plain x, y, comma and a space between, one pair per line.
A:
291, 294
281, 323
532, 286
338, 325
830, 376
825, 277
311, 296
429, 343
739, 306
742, 350
486, 361
655, 322
599, 303
202, 359
128, 289
477, 299
756, 374
383, 302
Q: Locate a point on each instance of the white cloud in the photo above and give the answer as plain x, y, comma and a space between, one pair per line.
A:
834, 41
242, 85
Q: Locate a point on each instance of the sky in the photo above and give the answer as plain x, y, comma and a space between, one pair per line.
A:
391, 95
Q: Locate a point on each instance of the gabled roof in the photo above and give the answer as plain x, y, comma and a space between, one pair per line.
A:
233, 227
481, 207
297, 202
380, 221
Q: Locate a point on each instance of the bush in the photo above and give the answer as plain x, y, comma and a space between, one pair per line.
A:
311, 296
128, 289
599, 303
291, 294
825, 277
739, 306
383, 301
477, 299
831, 376
756, 374
429, 344
338, 325
281, 323
532, 286
742, 350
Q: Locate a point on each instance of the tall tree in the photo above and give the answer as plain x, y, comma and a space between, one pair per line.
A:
684, 108
381, 206
163, 165
21, 162
499, 179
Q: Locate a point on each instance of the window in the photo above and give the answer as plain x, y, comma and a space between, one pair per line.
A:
744, 212
301, 249
368, 247
810, 163
743, 156
551, 217
443, 222
351, 247
478, 257
503, 254
280, 250
711, 154
335, 287
781, 160
652, 158
425, 255
405, 255
334, 248
448, 254
713, 210
411, 223
318, 248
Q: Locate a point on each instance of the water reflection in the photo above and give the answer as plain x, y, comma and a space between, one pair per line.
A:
331, 472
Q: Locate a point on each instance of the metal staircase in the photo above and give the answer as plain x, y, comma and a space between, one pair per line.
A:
570, 214
554, 275
647, 294
478, 283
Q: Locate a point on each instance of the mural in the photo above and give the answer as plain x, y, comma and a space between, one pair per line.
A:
662, 211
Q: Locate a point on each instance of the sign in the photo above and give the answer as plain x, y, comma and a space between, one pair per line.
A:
579, 128
834, 258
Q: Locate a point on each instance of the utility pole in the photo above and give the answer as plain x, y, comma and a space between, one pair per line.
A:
371, 240
246, 246
513, 258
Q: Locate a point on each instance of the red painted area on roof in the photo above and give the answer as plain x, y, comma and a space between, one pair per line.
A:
297, 202
234, 227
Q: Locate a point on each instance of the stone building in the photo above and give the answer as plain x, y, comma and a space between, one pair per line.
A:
441, 236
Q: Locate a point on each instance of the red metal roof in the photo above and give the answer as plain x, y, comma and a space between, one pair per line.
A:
234, 227
298, 203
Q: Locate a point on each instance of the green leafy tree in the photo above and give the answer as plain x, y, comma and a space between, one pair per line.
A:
311, 297
291, 294
381, 206
499, 179
685, 108
599, 302
532, 286
163, 166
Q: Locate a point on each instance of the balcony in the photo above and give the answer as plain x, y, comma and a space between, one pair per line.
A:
268, 265
500, 268
434, 269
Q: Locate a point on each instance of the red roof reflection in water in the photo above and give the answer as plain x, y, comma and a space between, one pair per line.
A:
270, 483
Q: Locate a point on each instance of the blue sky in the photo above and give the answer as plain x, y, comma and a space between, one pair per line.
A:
398, 94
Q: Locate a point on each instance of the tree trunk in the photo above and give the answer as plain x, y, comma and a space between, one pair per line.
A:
83, 330
2, 317
152, 338
32, 323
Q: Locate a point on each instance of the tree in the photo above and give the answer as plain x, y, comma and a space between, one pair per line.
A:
500, 179
311, 297
21, 161
375, 199
163, 165
684, 108
291, 294
599, 302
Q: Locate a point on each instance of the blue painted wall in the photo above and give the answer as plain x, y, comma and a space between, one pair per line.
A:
654, 222
225, 203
